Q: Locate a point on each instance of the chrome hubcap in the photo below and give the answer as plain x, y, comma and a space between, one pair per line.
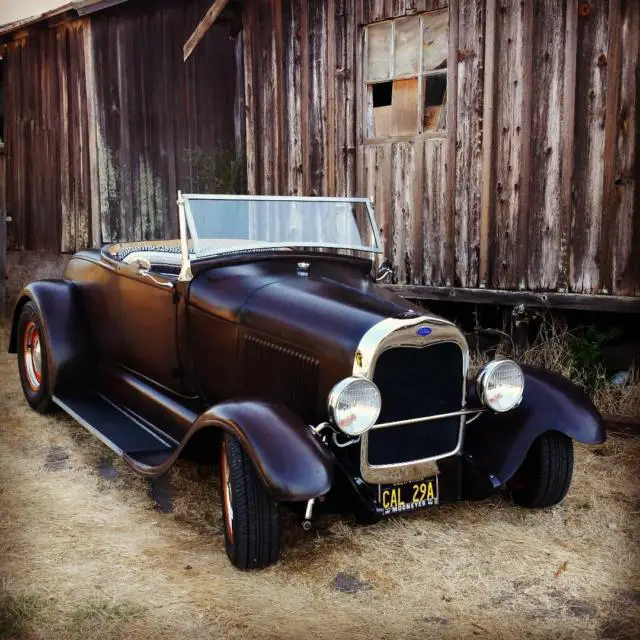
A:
32, 356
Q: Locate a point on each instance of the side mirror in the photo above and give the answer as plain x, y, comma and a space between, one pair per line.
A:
385, 270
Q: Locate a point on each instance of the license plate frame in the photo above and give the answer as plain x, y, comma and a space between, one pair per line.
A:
404, 497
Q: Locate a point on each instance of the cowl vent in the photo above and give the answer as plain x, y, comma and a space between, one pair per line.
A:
280, 373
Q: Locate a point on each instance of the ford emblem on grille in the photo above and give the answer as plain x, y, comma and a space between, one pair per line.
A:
424, 331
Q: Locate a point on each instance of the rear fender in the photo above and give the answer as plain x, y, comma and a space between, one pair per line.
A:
288, 456
498, 443
64, 333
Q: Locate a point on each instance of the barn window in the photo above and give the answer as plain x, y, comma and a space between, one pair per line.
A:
406, 75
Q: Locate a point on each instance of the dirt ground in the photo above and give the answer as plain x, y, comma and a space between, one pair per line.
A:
87, 552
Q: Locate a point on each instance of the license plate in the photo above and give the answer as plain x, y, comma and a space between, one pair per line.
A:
408, 496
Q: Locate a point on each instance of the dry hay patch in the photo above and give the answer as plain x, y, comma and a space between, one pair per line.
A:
84, 556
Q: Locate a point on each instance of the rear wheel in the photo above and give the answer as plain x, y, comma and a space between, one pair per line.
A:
544, 477
252, 525
32, 360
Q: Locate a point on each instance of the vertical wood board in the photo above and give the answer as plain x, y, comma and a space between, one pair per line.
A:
468, 145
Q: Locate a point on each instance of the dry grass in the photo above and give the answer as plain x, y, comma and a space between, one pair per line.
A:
86, 557
555, 349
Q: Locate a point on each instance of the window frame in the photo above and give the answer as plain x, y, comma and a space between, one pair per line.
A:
421, 75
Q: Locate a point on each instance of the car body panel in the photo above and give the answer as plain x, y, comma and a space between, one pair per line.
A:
499, 442
56, 301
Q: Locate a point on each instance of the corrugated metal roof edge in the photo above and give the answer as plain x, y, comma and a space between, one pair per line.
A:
81, 7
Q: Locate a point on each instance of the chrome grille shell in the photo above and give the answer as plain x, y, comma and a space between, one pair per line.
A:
404, 332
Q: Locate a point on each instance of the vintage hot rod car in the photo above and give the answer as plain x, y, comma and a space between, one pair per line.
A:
260, 338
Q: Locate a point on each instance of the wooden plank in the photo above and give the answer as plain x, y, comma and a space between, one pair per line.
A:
78, 156
610, 195
94, 187
423, 174
524, 255
375, 10
67, 243
469, 143
318, 99
551, 300
435, 216
345, 97
293, 143
450, 163
377, 172
331, 98
402, 250
403, 119
588, 175
250, 90
278, 88
626, 245
268, 113
509, 153
567, 139
548, 117
488, 120
210, 17
306, 87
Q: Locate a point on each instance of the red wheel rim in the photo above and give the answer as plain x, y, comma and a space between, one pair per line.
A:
225, 481
32, 352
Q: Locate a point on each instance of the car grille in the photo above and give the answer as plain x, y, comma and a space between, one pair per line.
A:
417, 382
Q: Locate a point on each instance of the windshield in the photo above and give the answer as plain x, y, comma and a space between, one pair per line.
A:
225, 224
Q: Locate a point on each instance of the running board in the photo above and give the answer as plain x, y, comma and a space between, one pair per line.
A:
130, 438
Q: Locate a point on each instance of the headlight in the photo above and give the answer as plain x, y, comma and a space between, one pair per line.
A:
354, 405
500, 385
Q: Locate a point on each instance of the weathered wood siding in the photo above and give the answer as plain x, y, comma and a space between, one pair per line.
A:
558, 154
162, 124
105, 122
48, 185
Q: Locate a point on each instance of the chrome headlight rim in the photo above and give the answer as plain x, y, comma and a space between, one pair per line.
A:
485, 373
334, 397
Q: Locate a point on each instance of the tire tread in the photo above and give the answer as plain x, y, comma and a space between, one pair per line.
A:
255, 514
549, 465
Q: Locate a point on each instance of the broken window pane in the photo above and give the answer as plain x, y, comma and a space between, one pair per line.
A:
379, 52
435, 95
436, 40
407, 46
382, 92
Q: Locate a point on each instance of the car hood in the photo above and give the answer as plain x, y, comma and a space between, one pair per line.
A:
331, 308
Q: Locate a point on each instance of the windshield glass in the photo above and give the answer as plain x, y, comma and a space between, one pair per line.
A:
224, 224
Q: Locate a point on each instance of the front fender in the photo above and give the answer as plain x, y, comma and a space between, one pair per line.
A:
59, 315
289, 458
498, 443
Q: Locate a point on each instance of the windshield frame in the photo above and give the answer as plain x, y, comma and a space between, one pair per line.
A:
188, 227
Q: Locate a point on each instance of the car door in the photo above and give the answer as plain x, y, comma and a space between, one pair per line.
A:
149, 317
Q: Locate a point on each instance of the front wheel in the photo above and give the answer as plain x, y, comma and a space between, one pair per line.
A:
252, 525
33, 361
544, 477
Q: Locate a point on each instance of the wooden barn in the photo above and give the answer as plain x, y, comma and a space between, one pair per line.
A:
497, 138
